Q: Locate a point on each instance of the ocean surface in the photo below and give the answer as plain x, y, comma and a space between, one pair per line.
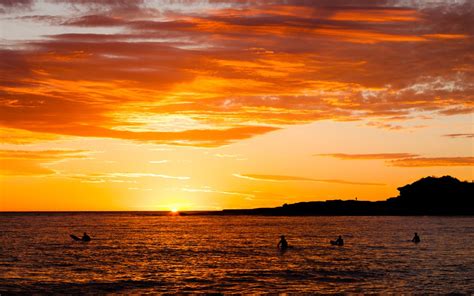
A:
144, 253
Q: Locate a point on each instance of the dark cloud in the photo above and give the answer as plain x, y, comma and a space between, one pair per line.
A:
16, 3
13, 68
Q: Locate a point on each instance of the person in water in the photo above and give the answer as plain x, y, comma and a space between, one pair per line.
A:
282, 244
85, 237
339, 241
416, 238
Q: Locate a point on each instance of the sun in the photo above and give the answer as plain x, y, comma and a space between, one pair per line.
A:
173, 209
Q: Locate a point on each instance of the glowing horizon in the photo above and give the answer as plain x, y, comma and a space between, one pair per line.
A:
205, 105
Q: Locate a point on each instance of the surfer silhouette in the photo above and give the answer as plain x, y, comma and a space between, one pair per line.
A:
282, 244
416, 239
85, 237
338, 242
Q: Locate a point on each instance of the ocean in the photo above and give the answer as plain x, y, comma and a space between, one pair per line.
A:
147, 253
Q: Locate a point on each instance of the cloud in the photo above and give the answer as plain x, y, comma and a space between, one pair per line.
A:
280, 178
406, 159
467, 135
158, 161
370, 156
20, 167
433, 162
10, 3
206, 138
387, 126
147, 175
244, 68
139, 189
457, 110
213, 191
42, 154
223, 155
95, 21
394, 127
31, 162
125, 3
16, 3
122, 177
17, 136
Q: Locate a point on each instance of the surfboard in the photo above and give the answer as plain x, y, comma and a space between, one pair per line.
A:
75, 237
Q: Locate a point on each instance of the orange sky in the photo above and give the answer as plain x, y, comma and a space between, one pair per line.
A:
197, 105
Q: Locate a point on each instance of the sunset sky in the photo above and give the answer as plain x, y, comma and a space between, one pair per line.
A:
205, 105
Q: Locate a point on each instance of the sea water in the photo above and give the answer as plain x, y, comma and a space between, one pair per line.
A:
147, 253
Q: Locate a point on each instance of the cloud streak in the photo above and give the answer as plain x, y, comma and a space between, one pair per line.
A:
433, 162
466, 135
369, 156
407, 159
213, 191
33, 162
122, 177
281, 178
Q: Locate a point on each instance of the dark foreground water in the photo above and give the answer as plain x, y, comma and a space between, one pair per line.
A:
133, 253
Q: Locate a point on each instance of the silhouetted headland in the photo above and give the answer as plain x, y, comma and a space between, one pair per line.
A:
427, 196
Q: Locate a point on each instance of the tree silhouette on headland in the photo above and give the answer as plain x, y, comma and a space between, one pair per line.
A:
432, 192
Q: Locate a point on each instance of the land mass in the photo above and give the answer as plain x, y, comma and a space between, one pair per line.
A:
427, 196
